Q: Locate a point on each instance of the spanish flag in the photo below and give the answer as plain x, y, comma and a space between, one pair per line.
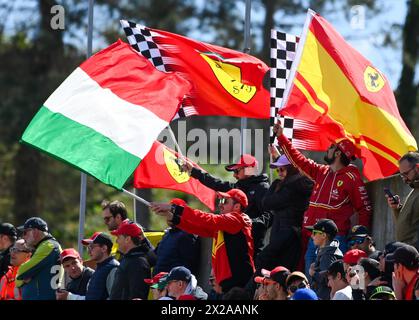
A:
334, 86
161, 169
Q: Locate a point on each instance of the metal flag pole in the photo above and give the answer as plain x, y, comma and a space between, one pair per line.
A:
136, 197
83, 176
243, 121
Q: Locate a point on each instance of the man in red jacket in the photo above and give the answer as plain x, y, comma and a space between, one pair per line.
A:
232, 250
338, 190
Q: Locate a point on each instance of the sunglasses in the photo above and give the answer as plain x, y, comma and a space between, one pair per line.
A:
281, 169
301, 285
317, 232
16, 250
355, 241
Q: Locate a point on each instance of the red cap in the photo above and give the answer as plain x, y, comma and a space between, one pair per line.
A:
352, 256
69, 253
245, 160
156, 278
178, 202
128, 229
237, 195
347, 147
279, 275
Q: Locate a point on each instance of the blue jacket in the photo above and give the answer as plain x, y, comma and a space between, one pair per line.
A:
44, 271
96, 289
177, 248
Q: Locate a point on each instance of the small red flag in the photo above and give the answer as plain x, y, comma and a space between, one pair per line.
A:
160, 169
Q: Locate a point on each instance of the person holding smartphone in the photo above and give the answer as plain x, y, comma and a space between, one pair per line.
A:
406, 213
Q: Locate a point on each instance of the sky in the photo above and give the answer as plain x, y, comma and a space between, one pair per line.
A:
366, 37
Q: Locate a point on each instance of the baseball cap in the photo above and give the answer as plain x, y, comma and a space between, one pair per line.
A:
35, 223
128, 229
179, 273
246, 160
69, 253
358, 231
407, 256
392, 246
380, 292
352, 257
99, 238
294, 276
278, 274
347, 147
156, 278
325, 225
280, 162
237, 195
304, 294
8, 229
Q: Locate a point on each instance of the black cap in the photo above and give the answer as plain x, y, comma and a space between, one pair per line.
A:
325, 225
358, 231
35, 223
407, 256
179, 273
8, 229
99, 238
392, 246
380, 292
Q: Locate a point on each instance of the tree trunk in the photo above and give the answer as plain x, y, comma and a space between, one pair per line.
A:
269, 24
26, 183
407, 90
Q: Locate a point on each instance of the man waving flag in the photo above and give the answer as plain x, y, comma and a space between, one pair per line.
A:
334, 86
104, 118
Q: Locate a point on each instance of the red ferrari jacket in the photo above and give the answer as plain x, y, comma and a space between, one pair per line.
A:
232, 249
336, 195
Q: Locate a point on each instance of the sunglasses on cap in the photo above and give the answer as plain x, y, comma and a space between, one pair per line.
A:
314, 232
17, 250
352, 242
301, 285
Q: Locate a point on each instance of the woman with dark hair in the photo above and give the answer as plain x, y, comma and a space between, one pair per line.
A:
286, 199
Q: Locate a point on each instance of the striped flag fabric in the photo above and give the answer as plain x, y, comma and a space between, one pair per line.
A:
332, 85
104, 118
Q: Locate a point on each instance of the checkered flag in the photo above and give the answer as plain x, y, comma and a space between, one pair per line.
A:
147, 42
283, 48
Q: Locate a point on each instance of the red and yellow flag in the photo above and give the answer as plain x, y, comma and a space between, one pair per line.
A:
336, 87
160, 169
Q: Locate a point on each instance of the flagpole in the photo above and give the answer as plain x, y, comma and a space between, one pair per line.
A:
172, 135
83, 176
243, 121
136, 197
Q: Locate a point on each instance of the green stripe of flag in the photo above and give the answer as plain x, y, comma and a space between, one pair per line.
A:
81, 147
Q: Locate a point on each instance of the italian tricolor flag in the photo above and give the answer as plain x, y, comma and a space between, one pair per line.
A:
104, 118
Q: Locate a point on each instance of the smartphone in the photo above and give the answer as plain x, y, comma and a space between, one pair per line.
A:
388, 192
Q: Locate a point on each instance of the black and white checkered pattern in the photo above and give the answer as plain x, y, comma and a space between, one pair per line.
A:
283, 48
144, 41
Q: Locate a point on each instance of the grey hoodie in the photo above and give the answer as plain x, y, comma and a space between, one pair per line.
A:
325, 257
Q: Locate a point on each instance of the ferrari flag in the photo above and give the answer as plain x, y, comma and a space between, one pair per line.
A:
334, 86
225, 82
161, 169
